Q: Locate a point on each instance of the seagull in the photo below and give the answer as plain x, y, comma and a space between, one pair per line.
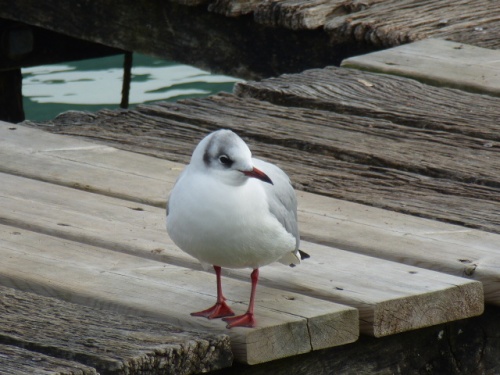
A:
230, 210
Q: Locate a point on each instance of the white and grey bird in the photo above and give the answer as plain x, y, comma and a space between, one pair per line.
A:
230, 210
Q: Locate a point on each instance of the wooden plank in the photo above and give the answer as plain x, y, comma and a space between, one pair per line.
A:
298, 14
115, 224
75, 163
108, 343
18, 361
104, 279
395, 22
242, 49
233, 8
469, 346
401, 238
365, 164
450, 248
439, 63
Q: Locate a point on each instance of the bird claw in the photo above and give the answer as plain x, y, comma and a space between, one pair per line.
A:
245, 320
219, 310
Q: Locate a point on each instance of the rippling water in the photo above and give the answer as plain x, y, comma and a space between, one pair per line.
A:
94, 84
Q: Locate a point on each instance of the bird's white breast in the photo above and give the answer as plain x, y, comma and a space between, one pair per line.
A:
225, 225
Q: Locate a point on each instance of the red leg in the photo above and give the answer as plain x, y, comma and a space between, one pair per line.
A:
246, 320
220, 309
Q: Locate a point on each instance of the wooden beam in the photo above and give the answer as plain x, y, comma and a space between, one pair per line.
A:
65, 335
152, 244
437, 62
27, 45
18, 361
97, 277
11, 96
390, 23
185, 33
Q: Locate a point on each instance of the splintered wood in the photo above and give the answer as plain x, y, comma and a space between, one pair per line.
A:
379, 23
109, 343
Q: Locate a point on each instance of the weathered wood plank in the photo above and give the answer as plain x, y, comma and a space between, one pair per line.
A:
469, 346
401, 238
307, 34
399, 100
439, 63
95, 168
18, 361
366, 163
106, 341
378, 144
298, 14
109, 280
395, 22
234, 8
188, 34
451, 249
139, 230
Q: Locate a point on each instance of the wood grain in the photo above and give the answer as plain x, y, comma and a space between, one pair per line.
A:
233, 8
299, 14
18, 361
437, 62
405, 239
109, 280
108, 342
141, 233
354, 280
395, 22
349, 140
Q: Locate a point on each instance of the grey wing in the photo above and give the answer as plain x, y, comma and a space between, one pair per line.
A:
282, 199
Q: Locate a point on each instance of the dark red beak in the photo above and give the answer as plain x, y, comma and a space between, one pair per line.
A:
257, 173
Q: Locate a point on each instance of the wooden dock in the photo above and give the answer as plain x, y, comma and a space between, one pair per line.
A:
80, 222
84, 222
248, 39
397, 183
259, 38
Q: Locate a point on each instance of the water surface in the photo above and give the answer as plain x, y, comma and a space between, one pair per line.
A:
90, 85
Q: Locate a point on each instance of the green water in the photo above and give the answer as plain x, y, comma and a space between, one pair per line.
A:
90, 85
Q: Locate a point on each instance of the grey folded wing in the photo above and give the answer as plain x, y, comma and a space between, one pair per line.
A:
282, 199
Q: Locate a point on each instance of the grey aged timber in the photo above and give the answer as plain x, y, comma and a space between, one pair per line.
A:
56, 226
46, 335
259, 38
380, 140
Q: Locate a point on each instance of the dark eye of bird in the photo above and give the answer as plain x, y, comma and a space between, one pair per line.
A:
224, 159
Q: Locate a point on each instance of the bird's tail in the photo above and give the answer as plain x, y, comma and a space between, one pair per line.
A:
292, 259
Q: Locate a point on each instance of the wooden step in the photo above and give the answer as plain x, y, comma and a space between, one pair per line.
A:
437, 62
379, 233
93, 276
46, 335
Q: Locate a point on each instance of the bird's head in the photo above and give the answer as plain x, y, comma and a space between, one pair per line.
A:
226, 155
